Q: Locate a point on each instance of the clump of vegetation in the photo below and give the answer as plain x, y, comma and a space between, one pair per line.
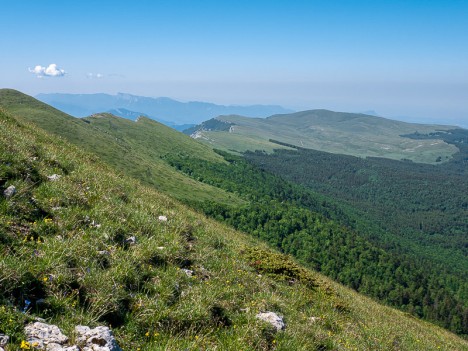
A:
278, 266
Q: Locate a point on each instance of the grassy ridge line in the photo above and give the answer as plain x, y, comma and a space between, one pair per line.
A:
124, 154
141, 289
335, 132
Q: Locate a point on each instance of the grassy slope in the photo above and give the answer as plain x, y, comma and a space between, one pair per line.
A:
50, 242
336, 132
136, 158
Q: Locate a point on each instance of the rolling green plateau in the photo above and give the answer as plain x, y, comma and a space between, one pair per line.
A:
319, 230
131, 147
336, 132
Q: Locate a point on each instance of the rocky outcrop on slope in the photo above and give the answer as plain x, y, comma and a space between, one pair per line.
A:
49, 337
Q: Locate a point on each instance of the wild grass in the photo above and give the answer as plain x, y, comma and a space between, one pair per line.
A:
134, 148
67, 247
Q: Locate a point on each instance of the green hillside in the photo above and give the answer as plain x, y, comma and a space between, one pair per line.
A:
336, 132
378, 249
65, 248
133, 148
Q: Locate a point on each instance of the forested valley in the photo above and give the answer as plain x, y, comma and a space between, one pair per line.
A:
378, 250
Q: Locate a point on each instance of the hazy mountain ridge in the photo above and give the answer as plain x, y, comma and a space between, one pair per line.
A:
162, 108
132, 115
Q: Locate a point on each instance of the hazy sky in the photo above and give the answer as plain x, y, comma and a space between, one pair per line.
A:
399, 58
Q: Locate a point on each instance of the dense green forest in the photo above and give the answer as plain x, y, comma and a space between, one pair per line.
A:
423, 206
327, 236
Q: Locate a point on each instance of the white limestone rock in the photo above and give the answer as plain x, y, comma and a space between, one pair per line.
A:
4, 339
272, 318
42, 334
131, 240
188, 272
58, 347
54, 177
97, 339
10, 191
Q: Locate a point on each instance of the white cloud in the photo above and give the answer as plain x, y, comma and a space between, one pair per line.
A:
50, 71
37, 70
94, 75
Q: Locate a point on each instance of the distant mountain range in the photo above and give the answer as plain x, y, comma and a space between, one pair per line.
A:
162, 109
132, 115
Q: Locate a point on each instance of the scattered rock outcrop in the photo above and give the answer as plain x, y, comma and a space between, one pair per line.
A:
49, 337
57, 347
130, 240
3, 341
40, 335
54, 177
10, 191
97, 339
188, 272
272, 318
315, 319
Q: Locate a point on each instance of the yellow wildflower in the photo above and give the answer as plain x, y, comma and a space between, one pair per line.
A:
25, 345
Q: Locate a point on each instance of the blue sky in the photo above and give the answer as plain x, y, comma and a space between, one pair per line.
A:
399, 58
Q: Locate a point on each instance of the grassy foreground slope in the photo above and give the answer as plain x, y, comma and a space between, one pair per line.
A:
64, 248
412, 290
336, 132
133, 156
